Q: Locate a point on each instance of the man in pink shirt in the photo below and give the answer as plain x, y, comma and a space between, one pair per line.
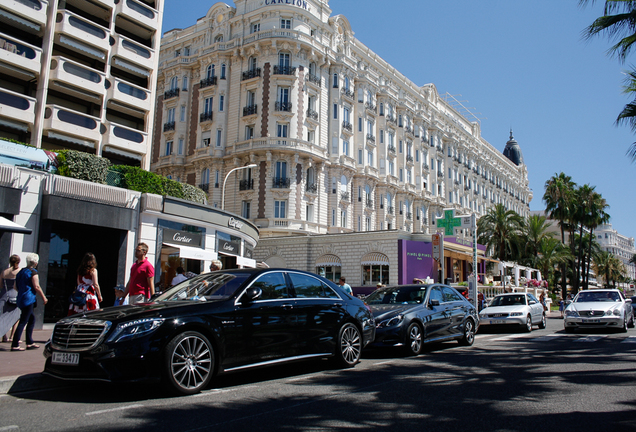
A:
141, 285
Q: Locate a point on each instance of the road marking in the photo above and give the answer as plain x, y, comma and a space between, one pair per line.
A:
114, 409
10, 428
383, 363
590, 338
629, 339
512, 336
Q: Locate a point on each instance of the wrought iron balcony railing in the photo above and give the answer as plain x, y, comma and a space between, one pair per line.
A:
207, 82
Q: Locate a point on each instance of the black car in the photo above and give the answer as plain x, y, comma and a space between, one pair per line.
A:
411, 315
213, 323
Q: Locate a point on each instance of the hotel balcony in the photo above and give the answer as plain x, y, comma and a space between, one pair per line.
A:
138, 12
281, 183
250, 110
31, 10
206, 117
278, 144
17, 107
246, 185
284, 70
83, 30
71, 77
207, 82
133, 52
128, 94
252, 73
283, 106
126, 139
72, 123
18, 58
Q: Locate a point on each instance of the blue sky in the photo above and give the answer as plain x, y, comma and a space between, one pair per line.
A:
515, 64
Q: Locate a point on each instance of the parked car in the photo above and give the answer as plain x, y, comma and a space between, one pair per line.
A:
410, 315
214, 323
599, 308
514, 309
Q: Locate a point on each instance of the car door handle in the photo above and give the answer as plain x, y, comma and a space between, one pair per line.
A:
287, 306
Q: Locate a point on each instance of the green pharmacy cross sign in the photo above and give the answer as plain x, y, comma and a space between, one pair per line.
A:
448, 222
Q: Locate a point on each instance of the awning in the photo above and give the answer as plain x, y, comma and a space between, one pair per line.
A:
87, 49
328, 260
194, 253
7, 17
375, 258
120, 152
9, 226
131, 67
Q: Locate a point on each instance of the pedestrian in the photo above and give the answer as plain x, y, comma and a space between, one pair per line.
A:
542, 299
345, 286
216, 265
379, 285
561, 307
180, 277
141, 285
120, 299
9, 311
28, 284
87, 294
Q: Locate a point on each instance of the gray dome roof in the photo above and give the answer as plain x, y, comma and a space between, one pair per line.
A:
513, 151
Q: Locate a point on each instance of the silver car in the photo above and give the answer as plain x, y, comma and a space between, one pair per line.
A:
518, 309
599, 308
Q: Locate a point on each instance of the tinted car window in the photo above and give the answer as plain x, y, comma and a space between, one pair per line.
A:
436, 294
404, 295
531, 297
305, 286
209, 286
450, 295
509, 300
273, 286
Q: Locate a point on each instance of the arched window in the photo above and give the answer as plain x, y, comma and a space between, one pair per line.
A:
335, 80
346, 83
223, 71
375, 269
343, 183
211, 71
174, 83
310, 176
281, 169
381, 109
218, 38
312, 68
252, 63
367, 192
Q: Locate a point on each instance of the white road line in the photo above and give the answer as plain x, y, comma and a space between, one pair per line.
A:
114, 409
590, 338
512, 336
629, 339
10, 428
383, 363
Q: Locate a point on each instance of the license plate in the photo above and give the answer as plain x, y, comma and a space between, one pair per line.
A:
591, 321
62, 358
497, 322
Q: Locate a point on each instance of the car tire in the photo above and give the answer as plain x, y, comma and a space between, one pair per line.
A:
623, 328
469, 333
630, 324
188, 363
413, 342
543, 323
528, 325
349, 346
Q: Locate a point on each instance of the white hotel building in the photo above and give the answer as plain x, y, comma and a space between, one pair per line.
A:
619, 245
341, 140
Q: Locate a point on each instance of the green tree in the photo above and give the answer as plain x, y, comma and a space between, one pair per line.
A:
596, 216
618, 23
609, 267
534, 230
550, 255
559, 202
498, 230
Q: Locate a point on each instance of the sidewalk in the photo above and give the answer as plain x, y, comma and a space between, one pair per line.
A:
21, 370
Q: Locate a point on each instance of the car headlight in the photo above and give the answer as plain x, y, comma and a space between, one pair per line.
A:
391, 322
136, 328
615, 312
515, 314
571, 313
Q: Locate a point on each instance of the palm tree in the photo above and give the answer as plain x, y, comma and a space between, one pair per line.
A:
610, 267
498, 230
559, 191
551, 253
533, 231
597, 216
619, 22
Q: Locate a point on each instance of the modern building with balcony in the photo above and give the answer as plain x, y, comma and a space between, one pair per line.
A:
80, 75
342, 141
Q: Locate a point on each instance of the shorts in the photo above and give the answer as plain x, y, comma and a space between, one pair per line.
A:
135, 299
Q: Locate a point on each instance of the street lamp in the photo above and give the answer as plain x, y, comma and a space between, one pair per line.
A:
225, 179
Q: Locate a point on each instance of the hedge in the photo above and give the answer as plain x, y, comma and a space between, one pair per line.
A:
89, 167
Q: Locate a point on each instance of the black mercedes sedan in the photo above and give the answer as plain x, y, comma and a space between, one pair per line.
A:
214, 323
410, 315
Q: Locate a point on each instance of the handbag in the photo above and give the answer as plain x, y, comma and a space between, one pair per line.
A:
78, 298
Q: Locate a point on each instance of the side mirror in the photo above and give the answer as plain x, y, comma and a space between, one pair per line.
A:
253, 293
532, 302
628, 300
434, 302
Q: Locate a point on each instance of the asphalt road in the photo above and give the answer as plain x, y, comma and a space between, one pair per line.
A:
508, 381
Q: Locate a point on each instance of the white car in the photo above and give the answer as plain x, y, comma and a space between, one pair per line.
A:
519, 309
599, 308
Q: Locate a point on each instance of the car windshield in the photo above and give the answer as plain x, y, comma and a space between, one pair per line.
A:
509, 300
398, 295
605, 296
205, 287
